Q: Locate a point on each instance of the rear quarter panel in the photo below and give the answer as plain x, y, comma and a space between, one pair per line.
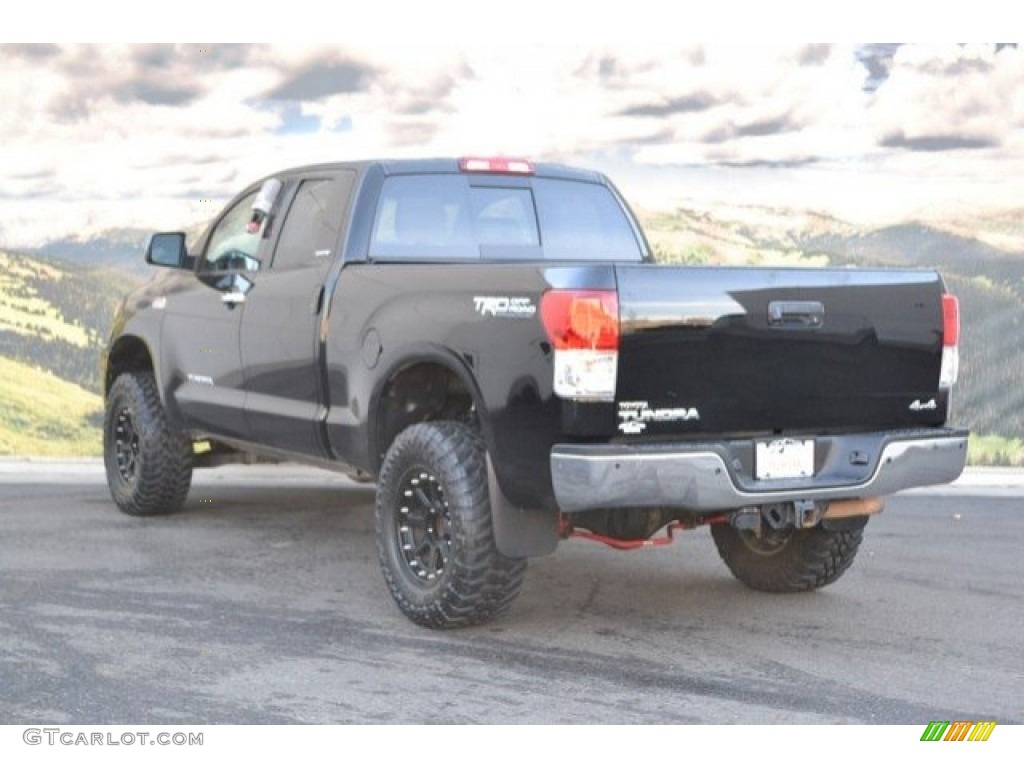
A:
481, 321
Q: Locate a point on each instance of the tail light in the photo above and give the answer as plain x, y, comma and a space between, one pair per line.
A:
950, 341
495, 165
583, 327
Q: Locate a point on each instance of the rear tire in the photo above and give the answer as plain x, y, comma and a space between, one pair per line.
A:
789, 560
148, 462
435, 535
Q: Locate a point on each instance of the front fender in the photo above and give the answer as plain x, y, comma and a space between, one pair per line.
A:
135, 343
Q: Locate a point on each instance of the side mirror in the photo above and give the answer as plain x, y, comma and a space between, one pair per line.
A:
167, 249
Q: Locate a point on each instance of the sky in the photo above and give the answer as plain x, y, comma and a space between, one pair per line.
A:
158, 136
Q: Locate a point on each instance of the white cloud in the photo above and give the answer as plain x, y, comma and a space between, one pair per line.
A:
118, 135
951, 97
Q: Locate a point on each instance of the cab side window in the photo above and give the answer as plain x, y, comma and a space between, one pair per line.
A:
422, 217
310, 232
232, 246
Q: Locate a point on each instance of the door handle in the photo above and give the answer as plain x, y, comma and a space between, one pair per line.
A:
796, 314
234, 289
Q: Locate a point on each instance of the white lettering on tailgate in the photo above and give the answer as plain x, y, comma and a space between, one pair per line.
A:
635, 415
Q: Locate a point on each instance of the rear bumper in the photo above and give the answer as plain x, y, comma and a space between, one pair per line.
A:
705, 477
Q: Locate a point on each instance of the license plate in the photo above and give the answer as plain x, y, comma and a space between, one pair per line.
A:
784, 459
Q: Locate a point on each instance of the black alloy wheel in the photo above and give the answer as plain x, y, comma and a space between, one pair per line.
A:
126, 446
423, 525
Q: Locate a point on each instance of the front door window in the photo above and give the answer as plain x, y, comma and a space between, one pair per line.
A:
234, 243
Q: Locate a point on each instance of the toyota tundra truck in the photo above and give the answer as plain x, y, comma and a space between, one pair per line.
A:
490, 341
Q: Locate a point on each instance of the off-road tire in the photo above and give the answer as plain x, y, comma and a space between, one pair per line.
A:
148, 462
787, 561
435, 535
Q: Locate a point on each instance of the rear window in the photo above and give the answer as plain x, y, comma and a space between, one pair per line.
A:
442, 216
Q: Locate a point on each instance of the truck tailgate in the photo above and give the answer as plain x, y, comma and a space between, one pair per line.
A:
777, 351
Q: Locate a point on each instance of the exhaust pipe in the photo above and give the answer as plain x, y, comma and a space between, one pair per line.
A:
853, 508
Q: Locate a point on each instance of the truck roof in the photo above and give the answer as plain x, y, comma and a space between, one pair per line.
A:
397, 166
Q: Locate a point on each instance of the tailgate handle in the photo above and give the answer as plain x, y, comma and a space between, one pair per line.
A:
796, 314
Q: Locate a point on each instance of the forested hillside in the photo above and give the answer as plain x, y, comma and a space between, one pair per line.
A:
56, 316
54, 320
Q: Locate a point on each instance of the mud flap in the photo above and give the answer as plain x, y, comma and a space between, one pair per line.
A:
520, 532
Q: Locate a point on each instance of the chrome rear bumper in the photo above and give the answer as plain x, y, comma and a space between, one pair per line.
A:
704, 477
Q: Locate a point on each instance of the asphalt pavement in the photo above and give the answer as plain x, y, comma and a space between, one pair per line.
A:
262, 602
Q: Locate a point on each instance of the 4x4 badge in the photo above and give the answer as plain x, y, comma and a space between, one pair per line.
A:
917, 405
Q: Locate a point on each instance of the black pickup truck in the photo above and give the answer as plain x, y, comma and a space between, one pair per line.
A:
489, 340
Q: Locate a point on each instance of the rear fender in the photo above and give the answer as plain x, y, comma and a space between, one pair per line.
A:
518, 531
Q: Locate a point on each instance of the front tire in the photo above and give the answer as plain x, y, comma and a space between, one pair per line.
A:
789, 560
435, 535
148, 462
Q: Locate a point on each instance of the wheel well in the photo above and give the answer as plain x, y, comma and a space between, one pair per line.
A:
129, 355
418, 393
